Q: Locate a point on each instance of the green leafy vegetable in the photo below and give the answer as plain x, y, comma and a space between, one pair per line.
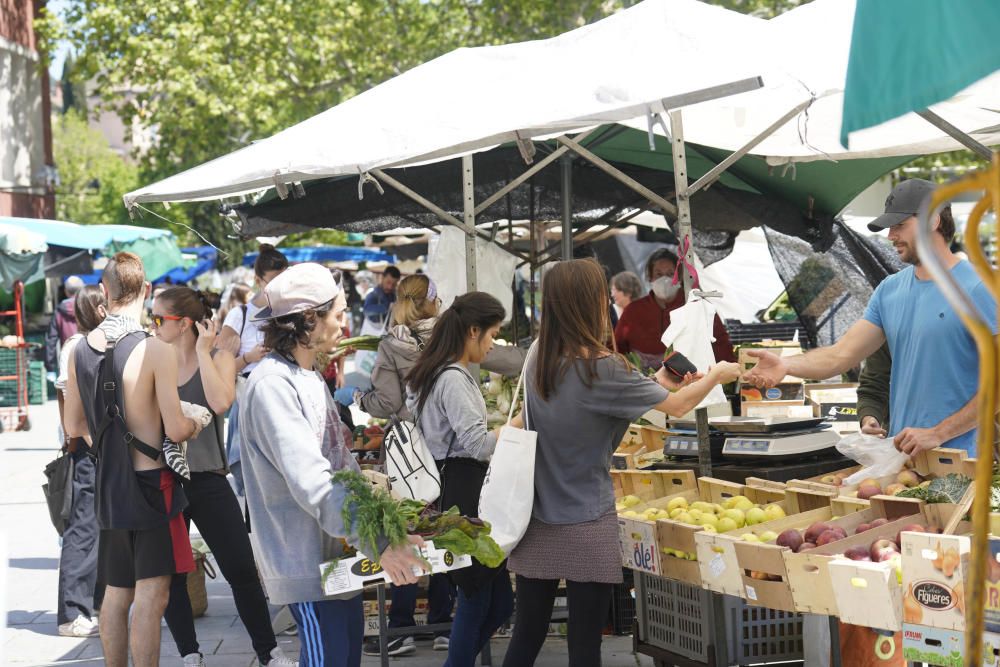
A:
947, 489
369, 343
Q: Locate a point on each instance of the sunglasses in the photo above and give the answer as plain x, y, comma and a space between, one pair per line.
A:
158, 320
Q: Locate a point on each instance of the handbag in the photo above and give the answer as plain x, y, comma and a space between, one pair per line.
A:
508, 494
58, 490
409, 464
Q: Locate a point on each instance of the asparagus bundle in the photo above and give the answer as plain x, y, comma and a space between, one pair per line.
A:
369, 343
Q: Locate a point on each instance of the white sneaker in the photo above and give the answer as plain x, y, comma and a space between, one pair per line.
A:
440, 643
194, 660
81, 626
279, 659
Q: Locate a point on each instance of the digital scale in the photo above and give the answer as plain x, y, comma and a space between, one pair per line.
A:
774, 437
685, 443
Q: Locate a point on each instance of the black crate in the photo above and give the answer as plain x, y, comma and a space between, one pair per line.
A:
623, 605
780, 471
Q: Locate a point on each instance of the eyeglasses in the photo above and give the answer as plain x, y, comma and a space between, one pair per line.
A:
159, 319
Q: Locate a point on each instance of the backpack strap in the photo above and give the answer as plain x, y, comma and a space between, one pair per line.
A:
113, 412
244, 325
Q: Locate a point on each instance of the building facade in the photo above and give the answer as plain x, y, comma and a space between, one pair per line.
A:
27, 174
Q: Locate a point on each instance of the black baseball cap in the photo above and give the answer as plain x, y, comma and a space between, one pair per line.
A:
903, 202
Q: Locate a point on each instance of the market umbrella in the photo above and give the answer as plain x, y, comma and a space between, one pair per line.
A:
909, 54
21, 255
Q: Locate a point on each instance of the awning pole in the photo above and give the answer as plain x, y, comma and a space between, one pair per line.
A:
566, 240
956, 134
469, 199
683, 199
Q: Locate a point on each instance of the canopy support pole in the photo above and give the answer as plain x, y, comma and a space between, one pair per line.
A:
956, 134
469, 201
618, 175
713, 174
441, 213
683, 198
566, 238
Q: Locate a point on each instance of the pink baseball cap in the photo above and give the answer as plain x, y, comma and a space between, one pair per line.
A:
298, 288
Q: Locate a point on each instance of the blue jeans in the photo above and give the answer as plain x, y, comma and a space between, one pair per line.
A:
440, 602
477, 617
331, 632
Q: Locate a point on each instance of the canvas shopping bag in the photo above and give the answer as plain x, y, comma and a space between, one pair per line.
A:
508, 493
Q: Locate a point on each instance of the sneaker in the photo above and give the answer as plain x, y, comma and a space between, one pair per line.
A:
440, 643
279, 659
81, 626
397, 646
194, 660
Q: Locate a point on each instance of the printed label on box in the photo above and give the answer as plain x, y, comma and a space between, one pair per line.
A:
717, 566
353, 574
751, 593
934, 573
638, 545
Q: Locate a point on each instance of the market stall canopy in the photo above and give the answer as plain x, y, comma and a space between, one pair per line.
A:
327, 253
157, 247
893, 72
637, 61
21, 256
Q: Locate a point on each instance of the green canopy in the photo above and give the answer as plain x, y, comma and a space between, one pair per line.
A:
909, 54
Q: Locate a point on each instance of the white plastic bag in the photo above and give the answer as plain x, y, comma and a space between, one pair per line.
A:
508, 494
494, 268
878, 456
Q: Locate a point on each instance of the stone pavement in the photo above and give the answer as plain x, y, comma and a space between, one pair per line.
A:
31, 637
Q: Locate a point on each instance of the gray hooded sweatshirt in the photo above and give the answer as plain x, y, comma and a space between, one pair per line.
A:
398, 353
292, 444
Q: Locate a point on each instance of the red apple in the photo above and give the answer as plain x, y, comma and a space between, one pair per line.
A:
862, 527
828, 536
790, 538
805, 546
869, 488
859, 552
814, 531
911, 527
878, 522
883, 549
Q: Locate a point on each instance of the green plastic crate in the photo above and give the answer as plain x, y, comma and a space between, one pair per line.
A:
37, 385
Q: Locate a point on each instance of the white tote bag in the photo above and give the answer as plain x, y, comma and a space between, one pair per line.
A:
508, 493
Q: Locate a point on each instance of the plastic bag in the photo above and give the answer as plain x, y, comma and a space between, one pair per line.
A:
878, 456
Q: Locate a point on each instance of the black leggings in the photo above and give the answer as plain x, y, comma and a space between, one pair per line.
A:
588, 612
212, 505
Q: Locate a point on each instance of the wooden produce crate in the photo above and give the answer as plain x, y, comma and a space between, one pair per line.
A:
716, 552
933, 589
649, 485
809, 572
625, 456
638, 537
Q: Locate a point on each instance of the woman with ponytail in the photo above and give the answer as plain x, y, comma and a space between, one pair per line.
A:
207, 377
444, 396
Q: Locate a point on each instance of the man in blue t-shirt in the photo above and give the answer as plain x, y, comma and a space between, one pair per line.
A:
935, 363
380, 300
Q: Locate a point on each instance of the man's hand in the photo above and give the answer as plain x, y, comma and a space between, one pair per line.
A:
398, 562
870, 426
768, 372
912, 441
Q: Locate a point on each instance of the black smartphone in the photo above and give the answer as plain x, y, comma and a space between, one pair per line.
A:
678, 365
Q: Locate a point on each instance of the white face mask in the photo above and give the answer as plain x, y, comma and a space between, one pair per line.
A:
665, 289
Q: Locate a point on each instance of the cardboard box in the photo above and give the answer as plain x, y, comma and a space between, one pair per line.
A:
796, 409
935, 574
992, 593
937, 646
781, 348
786, 391
353, 574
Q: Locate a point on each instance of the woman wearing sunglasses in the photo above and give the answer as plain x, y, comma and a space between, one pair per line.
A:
183, 318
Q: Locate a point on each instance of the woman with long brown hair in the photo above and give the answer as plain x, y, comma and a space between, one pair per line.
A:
580, 398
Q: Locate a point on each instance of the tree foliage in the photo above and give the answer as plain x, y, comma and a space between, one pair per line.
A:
92, 176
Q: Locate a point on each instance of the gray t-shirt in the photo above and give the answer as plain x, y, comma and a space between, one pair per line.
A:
578, 429
453, 418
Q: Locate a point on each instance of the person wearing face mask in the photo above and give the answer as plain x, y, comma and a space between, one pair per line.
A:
643, 321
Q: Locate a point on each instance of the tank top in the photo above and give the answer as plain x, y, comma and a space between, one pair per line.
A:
124, 499
207, 452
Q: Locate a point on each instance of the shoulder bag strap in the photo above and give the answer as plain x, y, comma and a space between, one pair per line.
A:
243, 326
113, 412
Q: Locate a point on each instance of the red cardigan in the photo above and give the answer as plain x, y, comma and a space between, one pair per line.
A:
643, 322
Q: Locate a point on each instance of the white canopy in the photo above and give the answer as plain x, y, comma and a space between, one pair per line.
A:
619, 69
475, 98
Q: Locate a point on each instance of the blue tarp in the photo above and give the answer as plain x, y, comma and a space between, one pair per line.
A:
327, 253
207, 256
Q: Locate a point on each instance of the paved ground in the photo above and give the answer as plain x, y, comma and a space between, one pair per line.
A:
32, 545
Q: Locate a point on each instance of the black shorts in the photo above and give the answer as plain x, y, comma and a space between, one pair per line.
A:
126, 556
